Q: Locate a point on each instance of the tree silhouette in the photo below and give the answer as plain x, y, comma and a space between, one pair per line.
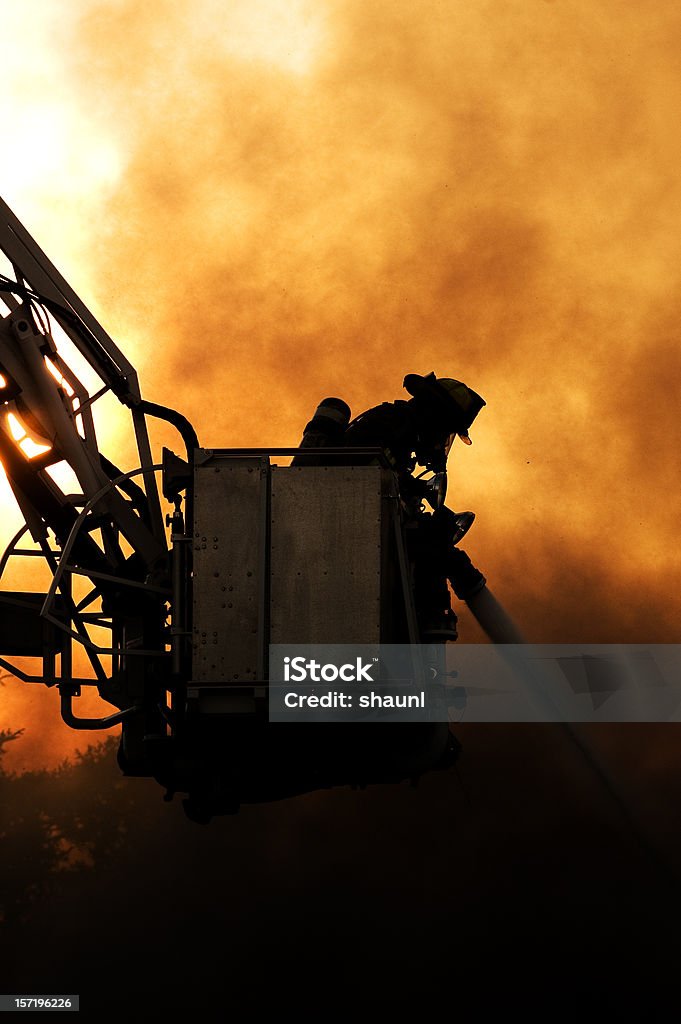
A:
32, 844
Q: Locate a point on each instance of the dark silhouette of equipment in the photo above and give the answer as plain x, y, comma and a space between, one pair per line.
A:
175, 617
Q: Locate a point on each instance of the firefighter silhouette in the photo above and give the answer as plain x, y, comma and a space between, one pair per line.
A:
416, 432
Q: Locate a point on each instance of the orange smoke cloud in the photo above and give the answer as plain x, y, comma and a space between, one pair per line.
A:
318, 198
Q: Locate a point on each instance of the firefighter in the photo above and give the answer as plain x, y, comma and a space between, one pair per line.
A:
419, 431
326, 429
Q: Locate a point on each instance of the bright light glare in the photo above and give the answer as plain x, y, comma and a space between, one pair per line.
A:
16, 429
64, 477
56, 373
287, 34
53, 370
29, 447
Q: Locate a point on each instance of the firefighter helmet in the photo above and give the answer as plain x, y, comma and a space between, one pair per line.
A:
449, 400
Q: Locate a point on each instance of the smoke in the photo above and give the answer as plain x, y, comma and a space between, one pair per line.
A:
481, 190
317, 198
